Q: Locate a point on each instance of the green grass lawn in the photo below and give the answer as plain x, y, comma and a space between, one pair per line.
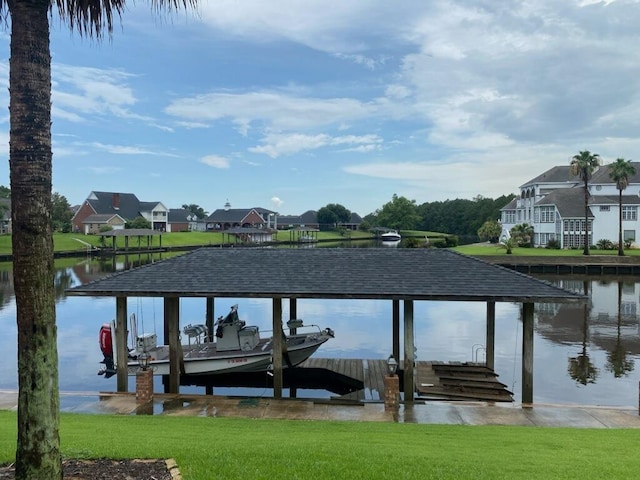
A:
493, 249
240, 448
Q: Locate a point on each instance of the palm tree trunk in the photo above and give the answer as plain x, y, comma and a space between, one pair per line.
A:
620, 244
586, 219
38, 446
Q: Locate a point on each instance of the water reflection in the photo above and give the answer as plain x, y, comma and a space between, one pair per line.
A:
582, 354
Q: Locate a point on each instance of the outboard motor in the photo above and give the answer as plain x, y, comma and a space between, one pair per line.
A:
105, 340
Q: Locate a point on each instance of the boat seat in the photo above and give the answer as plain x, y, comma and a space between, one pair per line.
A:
195, 331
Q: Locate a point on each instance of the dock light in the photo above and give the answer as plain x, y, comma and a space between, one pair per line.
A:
392, 365
143, 361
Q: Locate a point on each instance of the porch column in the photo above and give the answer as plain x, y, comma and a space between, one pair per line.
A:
491, 335
210, 316
121, 345
172, 321
277, 348
409, 355
527, 353
396, 330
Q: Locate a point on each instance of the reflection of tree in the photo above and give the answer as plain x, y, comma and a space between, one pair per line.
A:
617, 361
62, 280
580, 367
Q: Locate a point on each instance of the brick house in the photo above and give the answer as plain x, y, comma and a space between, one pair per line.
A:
123, 205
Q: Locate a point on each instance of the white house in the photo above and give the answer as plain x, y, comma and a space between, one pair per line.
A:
553, 203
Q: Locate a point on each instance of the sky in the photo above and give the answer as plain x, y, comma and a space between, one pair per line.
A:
292, 105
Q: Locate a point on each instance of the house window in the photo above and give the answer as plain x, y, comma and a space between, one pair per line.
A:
547, 214
604, 208
509, 216
629, 235
629, 213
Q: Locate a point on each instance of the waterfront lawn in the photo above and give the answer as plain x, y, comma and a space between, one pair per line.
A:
495, 249
233, 448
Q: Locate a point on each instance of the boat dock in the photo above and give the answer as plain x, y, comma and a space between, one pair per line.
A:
434, 380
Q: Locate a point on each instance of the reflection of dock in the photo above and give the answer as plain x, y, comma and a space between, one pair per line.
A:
354, 380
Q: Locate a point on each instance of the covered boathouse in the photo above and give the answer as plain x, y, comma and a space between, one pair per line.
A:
398, 275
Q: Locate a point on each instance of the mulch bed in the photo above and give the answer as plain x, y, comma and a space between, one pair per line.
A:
105, 469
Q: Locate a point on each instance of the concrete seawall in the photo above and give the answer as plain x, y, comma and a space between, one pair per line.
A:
588, 264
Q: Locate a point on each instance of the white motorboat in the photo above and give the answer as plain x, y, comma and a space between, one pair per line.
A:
236, 348
391, 236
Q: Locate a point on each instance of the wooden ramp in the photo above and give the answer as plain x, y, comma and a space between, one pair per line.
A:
460, 381
370, 372
434, 380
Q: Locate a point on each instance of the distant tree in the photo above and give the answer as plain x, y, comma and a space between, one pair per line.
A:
4, 193
138, 222
508, 244
61, 213
365, 226
522, 234
400, 214
332, 215
196, 210
620, 171
460, 216
583, 165
490, 230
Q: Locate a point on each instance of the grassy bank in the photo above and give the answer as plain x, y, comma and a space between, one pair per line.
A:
71, 242
224, 448
493, 249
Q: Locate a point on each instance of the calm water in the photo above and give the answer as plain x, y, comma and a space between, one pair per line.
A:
585, 356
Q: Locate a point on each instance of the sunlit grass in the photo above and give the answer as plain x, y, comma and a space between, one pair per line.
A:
226, 448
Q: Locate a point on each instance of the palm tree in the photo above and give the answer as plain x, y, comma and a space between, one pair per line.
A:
620, 171
583, 165
30, 162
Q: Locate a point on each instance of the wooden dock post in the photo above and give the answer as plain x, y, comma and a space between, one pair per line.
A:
527, 353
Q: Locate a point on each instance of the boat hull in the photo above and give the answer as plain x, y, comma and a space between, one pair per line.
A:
204, 359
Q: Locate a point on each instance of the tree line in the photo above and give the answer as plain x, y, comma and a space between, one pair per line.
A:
460, 217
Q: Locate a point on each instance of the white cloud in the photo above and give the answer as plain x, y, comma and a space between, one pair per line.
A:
276, 145
277, 203
277, 110
215, 161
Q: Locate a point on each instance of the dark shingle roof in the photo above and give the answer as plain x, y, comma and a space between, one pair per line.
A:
602, 175
375, 273
557, 174
128, 204
568, 201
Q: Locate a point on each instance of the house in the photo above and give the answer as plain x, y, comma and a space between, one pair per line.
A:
553, 203
124, 205
94, 224
226, 218
5, 215
181, 220
309, 219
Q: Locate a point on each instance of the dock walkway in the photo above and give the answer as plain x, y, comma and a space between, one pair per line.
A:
435, 380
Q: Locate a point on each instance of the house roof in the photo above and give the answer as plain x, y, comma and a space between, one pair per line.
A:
613, 200
178, 215
102, 218
568, 201
128, 205
557, 174
230, 215
403, 274
602, 175
511, 205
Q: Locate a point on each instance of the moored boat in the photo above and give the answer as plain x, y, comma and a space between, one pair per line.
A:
236, 348
391, 236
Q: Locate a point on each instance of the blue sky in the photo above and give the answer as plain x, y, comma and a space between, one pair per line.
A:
291, 105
